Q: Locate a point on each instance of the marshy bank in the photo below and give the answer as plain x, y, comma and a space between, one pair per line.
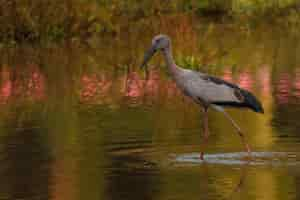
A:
44, 21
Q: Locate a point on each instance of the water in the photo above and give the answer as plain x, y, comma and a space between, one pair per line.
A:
83, 122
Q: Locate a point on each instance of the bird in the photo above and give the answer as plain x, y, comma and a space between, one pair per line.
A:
208, 91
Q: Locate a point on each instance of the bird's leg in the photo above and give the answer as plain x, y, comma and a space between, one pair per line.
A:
241, 182
239, 131
205, 131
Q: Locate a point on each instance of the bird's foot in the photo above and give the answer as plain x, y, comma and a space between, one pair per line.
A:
248, 150
248, 156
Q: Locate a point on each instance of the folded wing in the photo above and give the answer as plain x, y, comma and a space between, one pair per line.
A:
216, 91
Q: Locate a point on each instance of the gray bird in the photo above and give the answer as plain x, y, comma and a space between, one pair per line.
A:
206, 90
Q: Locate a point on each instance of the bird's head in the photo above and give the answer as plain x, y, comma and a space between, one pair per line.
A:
159, 42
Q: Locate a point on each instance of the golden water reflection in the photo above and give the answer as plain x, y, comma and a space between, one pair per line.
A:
85, 123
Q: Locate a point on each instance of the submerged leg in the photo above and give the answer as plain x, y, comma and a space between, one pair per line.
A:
239, 131
241, 182
205, 131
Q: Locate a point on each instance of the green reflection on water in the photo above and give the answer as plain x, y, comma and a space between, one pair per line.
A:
81, 122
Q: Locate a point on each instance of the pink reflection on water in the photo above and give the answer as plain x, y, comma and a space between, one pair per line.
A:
36, 84
6, 86
264, 80
29, 84
282, 88
93, 86
227, 75
89, 87
134, 85
6, 90
297, 83
245, 80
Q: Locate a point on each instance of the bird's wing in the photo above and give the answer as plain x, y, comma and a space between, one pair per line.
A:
217, 91
212, 89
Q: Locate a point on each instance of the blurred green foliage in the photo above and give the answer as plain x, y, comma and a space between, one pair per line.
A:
55, 20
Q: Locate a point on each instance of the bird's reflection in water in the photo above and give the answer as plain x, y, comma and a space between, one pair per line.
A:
241, 182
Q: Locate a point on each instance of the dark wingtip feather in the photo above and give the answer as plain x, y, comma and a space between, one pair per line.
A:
252, 102
260, 110
247, 99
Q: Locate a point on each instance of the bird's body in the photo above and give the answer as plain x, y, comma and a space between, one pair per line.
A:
204, 89
209, 90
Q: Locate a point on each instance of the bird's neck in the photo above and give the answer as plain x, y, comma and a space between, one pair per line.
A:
170, 61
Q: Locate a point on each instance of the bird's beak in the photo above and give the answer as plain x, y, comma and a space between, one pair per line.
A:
148, 55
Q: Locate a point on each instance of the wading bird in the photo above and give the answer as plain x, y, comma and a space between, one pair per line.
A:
206, 90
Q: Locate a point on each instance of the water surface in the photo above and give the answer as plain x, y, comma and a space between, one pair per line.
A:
83, 122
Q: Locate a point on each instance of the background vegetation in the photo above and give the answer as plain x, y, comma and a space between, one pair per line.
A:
55, 20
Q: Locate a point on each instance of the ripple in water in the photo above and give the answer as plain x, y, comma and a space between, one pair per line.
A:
239, 158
